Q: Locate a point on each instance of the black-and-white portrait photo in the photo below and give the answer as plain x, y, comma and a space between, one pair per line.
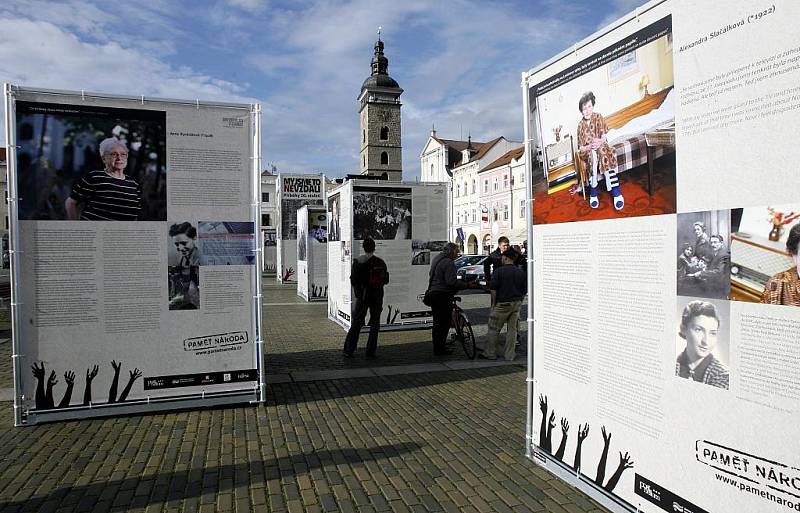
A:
702, 342
183, 249
333, 223
381, 213
703, 254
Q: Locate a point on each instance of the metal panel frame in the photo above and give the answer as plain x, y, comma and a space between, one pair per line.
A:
254, 394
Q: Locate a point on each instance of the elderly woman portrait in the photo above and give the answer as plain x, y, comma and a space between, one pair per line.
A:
108, 194
594, 150
784, 288
700, 328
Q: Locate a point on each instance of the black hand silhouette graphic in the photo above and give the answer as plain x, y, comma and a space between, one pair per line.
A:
543, 427
563, 445
134, 375
38, 373
69, 379
48, 396
582, 434
112, 392
87, 391
601, 465
624, 463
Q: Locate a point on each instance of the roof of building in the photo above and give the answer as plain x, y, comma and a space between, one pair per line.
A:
380, 70
505, 159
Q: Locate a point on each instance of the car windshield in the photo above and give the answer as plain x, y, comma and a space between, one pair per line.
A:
468, 260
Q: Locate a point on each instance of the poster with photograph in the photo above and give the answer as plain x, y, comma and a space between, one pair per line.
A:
151, 305
294, 192
87, 162
664, 335
312, 254
765, 267
270, 238
404, 241
703, 253
605, 126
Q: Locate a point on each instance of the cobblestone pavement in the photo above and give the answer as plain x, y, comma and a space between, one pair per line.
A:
451, 440
299, 336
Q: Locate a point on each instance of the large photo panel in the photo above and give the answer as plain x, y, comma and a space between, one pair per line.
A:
152, 299
605, 127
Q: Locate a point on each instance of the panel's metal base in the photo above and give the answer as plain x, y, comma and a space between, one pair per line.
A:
568, 475
207, 400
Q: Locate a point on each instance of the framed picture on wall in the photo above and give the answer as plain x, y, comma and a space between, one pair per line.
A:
622, 67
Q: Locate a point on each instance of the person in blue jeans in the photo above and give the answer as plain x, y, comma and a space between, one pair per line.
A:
508, 288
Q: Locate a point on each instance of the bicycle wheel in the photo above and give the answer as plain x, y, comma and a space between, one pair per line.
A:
466, 337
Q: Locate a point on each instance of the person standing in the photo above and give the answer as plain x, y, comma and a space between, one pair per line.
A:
443, 286
368, 275
508, 287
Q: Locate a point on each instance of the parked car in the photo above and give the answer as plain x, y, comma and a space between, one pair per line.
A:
471, 269
469, 260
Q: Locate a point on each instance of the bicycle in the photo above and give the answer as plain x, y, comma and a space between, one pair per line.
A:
463, 330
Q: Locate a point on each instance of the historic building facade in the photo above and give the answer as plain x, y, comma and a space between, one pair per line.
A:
379, 113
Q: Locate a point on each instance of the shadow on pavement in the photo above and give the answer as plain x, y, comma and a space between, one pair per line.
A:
286, 393
141, 491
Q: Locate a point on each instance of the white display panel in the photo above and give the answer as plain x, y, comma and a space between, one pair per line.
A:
407, 222
294, 192
664, 367
312, 253
135, 252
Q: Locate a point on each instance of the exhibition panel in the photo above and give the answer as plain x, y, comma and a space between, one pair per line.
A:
409, 225
133, 253
664, 365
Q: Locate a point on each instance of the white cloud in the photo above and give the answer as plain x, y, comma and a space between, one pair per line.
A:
40, 54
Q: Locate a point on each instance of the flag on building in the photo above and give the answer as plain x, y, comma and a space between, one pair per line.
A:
484, 214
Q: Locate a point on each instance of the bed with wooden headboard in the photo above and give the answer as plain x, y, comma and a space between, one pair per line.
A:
628, 126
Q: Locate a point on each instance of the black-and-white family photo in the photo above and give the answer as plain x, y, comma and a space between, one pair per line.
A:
381, 213
703, 260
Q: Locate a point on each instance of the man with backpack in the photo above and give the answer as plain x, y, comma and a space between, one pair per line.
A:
368, 275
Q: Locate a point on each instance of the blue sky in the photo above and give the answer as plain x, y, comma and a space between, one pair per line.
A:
459, 61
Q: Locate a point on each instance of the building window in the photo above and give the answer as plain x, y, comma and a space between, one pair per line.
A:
522, 208
385, 133
458, 190
465, 188
265, 220
495, 216
384, 158
473, 215
363, 136
505, 182
494, 184
265, 197
505, 212
522, 177
473, 186
486, 186
364, 161
431, 170
458, 217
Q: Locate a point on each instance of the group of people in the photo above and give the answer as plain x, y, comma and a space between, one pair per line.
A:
507, 283
371, 220
704, 265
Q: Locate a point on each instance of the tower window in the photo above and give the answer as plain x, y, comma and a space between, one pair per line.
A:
384, 133
363, 136
384, 158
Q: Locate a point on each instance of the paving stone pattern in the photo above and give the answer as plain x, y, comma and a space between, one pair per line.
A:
429, 441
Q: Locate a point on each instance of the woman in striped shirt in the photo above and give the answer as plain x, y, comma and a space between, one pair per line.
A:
107, 195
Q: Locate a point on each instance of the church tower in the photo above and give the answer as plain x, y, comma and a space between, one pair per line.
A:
381, 151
